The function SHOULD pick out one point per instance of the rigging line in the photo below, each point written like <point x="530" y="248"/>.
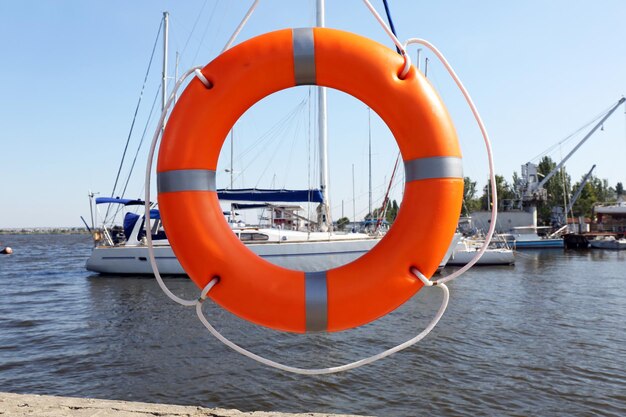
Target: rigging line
<point x="206" y="29"/>
<point x="119" y="170"/>
<point x="193" y="28"/>
<point x="563" y="183"/>
<point x="383" y="210"/>
<point x="283" y="136"/>
<point x="564" y="140"/>
<point x="143" y="135"/>
<point x="571" y="135"/>
<point x="391" y="25"/>
<point x="270" y="133"/>
<point x="278" y="131"/>
<point x="297" y="129"/>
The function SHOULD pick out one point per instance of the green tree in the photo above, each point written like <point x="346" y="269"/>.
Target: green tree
<point x="619" y="189"/>
<point x="556" y="188"/>
<point x="392" y="211"/>
<point x="470" y="202"/>
<point x="505" y="192"/>
<point x="342" y="222"/>
<point x="603" y="191"/>
<point x="594" y="191"/>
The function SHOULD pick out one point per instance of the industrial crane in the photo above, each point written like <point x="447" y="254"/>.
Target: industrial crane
<point x="580" y="189"/>
<point x="531" y="188"/>
<point x="559" y="217"/>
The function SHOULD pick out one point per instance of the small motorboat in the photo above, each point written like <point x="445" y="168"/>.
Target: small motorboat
<point x="466" y="249"/>
<point x="608" y="242"/>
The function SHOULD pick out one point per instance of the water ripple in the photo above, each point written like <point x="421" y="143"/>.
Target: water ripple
<point x="534" y="339"/>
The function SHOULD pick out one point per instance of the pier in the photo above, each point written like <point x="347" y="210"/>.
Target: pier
<point x="22" y="405"/>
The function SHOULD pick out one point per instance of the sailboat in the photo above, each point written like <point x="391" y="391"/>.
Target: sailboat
<point x="123" y="250"/>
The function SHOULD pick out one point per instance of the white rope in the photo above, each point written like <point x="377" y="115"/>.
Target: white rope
<point x="492" y="177"/>
<point x="394" y="38"/>
<point x="321" y="371"/>
<point x="241" y="25"/>
<point x="202" y="78"/>
<point x="155" y="139"/>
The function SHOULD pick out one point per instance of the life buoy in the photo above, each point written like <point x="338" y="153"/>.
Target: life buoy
<point x="257" y="290"/>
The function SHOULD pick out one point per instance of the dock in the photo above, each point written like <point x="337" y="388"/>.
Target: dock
<point x="23" y="405"/>
<point x="581" y="240"/>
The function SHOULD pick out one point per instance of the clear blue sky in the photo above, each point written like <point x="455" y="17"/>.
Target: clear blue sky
<point x="72" y="70"/>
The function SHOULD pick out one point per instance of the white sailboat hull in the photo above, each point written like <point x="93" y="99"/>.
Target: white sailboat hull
<point x="490" y="257"/>
<point x="304" y="256"/>
<point x="465" y="251"/>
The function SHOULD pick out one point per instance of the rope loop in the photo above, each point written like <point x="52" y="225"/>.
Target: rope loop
<point x="421" y="277"/>
<point x="330" y="370"/>
<point x="407" y="65"/>
<point x="394" y="38"/>
<point x="202" y="78"/>
<point x="487" y="141"/>
<point x="205" y="290"/>
<point x="147" y="185"/>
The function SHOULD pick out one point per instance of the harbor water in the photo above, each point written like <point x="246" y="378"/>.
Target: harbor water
<point x="544" y="337"/>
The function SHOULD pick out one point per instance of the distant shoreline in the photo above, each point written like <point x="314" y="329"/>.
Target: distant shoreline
<point x="45" y="231"/>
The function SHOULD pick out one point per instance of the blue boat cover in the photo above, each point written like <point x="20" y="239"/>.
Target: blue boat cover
<point x="240" y="206"/>
<point x="130" y="219"/>
<point x="117" y="200"/>
<point x="373" y="221"/>
<point x="257" y="194"/>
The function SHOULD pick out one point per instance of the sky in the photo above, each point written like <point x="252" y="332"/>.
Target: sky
<point x="72" y="73"/>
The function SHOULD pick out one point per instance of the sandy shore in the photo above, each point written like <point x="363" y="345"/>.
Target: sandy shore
<point x="20" y="405"/>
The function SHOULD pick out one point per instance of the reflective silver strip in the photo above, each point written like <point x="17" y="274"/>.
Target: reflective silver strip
<point x="316" y="298"/>
<point x="304" y="56"/>
<point x="186" y="180"/>
<point x="435" y="167"/>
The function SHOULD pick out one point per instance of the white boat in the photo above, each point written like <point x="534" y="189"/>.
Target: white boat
<point x="611" y="217"/>
<point x="123" y="250"/>
<point x="526" y="237"/>
<point x="608" y="242"/>
<point x="617" y="209"/>
<point x="466" y="249"/>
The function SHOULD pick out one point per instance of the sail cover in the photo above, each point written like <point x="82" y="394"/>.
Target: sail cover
<point x="117" y="200"/>
<point x="261" y="195"/>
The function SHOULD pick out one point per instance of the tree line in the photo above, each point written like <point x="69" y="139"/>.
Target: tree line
<point x="559" y="189"/>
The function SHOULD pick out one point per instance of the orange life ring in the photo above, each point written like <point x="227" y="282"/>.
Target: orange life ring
<point x="257" y="290"/>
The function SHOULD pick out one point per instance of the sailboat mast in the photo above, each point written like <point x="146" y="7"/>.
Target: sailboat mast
<point x="166" y="21"/>
<point x="232" y="172"/>
<point x="323" y="135"/>
<point x="232" y="152"/>
<point x="369" y="127"/>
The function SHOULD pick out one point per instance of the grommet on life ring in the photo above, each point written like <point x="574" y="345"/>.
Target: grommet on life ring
<point x="255" y="289"/>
